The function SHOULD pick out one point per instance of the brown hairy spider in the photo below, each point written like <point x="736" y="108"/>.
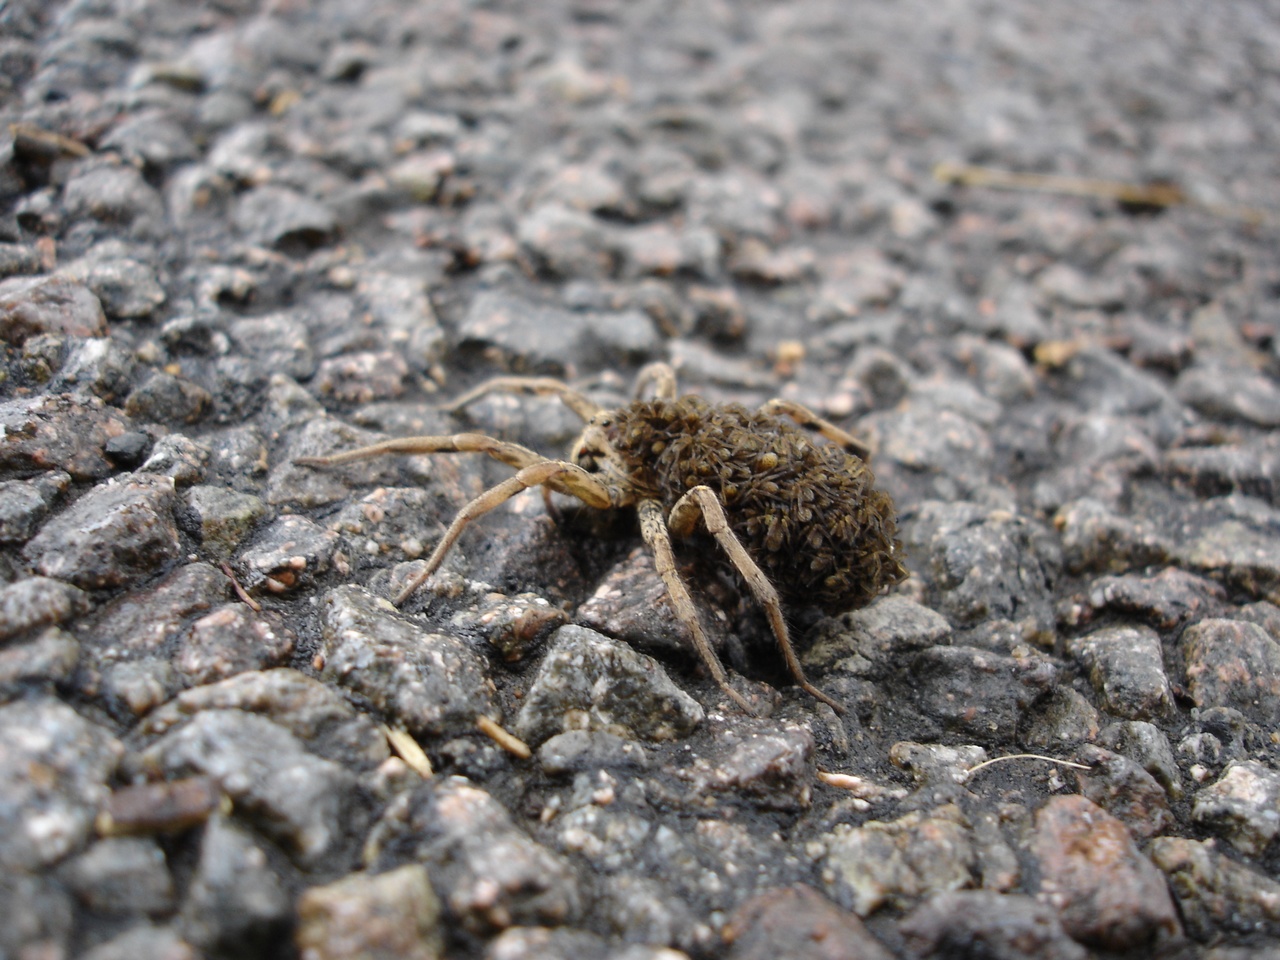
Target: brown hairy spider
<point x="801" y="521"/>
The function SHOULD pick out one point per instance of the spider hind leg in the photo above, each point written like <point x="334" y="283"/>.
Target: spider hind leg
<point x="663" y="379"/>
<point x="540" y="386"/>
<point x="811" y="421"/>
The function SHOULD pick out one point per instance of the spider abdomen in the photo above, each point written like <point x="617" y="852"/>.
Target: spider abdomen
<point x="807" y="511"/>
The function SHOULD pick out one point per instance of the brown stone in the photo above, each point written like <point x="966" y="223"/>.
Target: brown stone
<point x="799" y="923"/>
<point x="393" y="914"/>
<point x="1233" y="663"/>
<point x="35" y="305"/>
<point x="1215" y="894"/>
<point x="1106" y="892"/>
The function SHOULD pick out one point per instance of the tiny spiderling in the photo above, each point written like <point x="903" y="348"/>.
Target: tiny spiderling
<point x="801" y="521"/>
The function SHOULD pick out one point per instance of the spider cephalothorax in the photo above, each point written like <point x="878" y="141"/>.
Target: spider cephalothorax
<point x="800" y="519"/>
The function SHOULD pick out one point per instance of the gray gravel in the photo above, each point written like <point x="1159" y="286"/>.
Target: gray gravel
<point x="232" y="236"/>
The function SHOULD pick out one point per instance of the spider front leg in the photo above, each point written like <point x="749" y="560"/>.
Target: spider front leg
<point x="533" y="469"/>
<point x="654" y="530"/>
<point x="810" y="420"/>
<point x="701" y="501"/>
<point x="511" y="454"/>
<point x="559" y="475"/>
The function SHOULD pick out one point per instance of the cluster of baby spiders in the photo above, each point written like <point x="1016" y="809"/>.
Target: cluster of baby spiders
<point x="801" y="521"/>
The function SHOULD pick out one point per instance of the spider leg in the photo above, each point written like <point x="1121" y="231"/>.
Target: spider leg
<point x="807" y="418"/>
<point x="567" y="478"/>
<point x="542" y="386"/>
<point x="511" y="454"/>
<point x="702" y="501"/>
<point x="654" y="530"/>
<point x="533" y="469"/>
<point x="661" y="376"/>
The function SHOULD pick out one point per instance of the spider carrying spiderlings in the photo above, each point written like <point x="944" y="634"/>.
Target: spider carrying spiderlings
<point x="801" y="521"/>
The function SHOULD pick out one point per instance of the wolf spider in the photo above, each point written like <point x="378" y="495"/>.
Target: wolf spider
<point x="800" y="521"/>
